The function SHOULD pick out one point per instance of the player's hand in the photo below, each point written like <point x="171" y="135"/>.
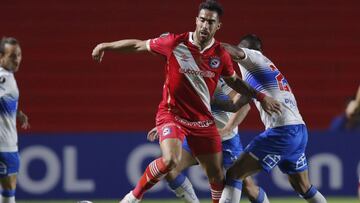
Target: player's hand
<point x="153" y="135"/>
<point x="98" y="53"/>
<point x="270" y="105"/>
<point x="23" y="119"/>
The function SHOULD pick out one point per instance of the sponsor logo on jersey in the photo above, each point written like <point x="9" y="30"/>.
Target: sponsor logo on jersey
<point x="214" y="62"/>
<point x="199" y="124"/>
<point x="207" y="74"/>
<point x="2" y="80"/>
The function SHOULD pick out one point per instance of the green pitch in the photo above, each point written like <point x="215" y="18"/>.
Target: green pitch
<point x="272" y="200"/>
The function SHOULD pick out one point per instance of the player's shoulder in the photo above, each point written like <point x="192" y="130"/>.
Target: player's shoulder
<point x="4" y="75"/>
<point x="4" y="72"/>
<point x="173" y="37"/>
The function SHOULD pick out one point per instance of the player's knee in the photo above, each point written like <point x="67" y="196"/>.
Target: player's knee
<point x="171" y="162"/>
<point x="172" y="175"/>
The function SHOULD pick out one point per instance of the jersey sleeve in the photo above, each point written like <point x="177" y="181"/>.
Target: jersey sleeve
<point x="228" y="69"/>
<point x="162" y="45"/>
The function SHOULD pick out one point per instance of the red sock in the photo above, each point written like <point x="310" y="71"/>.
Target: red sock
<point x="216" y="190"/>
<point x="151" y="176"/>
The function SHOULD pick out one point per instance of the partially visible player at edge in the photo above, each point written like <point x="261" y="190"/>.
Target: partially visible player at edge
<point x="10" y="59"/>
<point x="227" y="124"/>
<point x="284" y="141"/>
<point x="194" y="63"/>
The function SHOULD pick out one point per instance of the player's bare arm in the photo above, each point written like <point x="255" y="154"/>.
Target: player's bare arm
<point x="126" y="45"/>
<point x="237" y="118"/>
<point x="236" y="53"/>
<point x="23" y="119"/>
<point x="233" y="105"/>
<point x="269" y="104"/>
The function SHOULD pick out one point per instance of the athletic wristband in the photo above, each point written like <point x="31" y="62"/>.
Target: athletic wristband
<point x="260" y="96"/>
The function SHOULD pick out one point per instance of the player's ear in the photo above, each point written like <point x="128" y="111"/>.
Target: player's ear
<point x="218" y="26"/>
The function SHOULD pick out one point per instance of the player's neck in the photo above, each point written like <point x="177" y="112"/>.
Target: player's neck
<point x="203" y="45"/>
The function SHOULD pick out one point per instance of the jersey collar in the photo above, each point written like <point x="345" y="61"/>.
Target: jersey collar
<point x="191" y="40"/>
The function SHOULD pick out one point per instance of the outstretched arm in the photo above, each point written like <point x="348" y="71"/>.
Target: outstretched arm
<point x="126" y="45"/>
<point x="269" y="104"/>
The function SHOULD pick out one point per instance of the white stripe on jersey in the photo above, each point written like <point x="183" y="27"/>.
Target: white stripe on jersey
<point x="196" y="80"/>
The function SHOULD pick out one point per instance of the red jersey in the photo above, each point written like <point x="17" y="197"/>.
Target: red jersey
<point x="191" y="78"/>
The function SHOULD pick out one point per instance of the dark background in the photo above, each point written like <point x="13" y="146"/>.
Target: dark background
<point x="314" y="43"/>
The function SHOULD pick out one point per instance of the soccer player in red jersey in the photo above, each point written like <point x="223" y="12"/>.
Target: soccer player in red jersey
<point x="194" y="63"/>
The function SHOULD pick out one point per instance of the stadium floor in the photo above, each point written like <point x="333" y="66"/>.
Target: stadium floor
<point x="272" y="200"/>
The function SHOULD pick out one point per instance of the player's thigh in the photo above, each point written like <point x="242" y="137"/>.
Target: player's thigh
<point x="171" y="137"/>
<point x="171" y="151"/>
<point x="300" y="181"/>
<point x="246" y="165"/>
<point x="277" y="144"/>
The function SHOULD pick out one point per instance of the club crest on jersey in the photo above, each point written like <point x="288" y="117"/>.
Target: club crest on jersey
<point x="214" y="62"/>
<point x="166" y="131"/>
<point x="2" y="80"/>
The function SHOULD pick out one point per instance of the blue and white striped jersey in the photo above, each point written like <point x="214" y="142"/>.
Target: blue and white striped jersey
<point x="262" y="74"/>
<point x="9" y="96"/>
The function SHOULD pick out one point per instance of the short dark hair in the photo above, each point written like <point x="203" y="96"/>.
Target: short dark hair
<point x="254" y="42"/>
<point x="7" y="40"/>
<point x="212" y="5"/>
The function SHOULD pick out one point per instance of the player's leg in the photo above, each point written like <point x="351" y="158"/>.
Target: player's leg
<point x="232" y="149"/>
<point x="301" y="184"/>
<point x="246" y="165"/>
<point x="178" y="182"/>
<point x="208" y="152"/>
<point x="9" y="167"/>
<point x="8" y="185"/>
<point x="295" y="165"/>
<point x="264" y="152"/>
<point x="255" y="193"/>
<point x="171" y="137"/>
